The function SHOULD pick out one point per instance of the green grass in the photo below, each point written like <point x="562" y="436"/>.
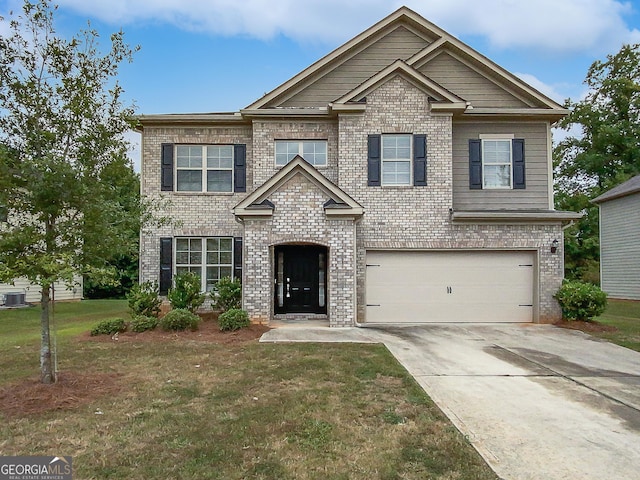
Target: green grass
<point x="199" y="410"/>
<point x="625" y="316"/>
<point x="21" y="326"/>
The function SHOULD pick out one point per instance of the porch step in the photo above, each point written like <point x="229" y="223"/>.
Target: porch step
<point x="301" y="319"/>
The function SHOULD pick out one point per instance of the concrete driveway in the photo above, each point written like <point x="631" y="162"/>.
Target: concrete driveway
<point x="537" y="402"/>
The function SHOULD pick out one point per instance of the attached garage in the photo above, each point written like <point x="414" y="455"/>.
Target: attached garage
<point x="447" y="287"/>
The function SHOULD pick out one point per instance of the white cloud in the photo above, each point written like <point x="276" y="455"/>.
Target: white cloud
<point x="563" y="26"/>
<point x="567" y="26"/>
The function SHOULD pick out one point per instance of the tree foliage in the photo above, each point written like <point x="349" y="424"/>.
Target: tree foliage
<point x="63" y="156"/>
<point x="602" y="154"/>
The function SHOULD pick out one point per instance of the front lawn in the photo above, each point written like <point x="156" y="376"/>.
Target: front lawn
<point x="181" y="407"/>
<point x="624" y="315"/>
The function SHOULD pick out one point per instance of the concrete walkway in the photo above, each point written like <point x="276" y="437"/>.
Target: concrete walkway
<point x="537" y="402"/>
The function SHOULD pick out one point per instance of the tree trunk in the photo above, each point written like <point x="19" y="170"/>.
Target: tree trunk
<point x="47" y="375"/>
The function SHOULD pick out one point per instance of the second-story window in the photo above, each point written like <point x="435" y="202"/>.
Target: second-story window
<point x="313" y="151"/>
<point x="396" y="159"/>
<point x="204" y="168"/>
<point x="496" y="163"/>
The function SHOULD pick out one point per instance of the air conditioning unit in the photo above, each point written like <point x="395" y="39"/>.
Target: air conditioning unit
<point x="14" y="299"/>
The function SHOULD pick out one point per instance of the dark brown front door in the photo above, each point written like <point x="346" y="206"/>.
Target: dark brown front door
<point x="300" y="279"/>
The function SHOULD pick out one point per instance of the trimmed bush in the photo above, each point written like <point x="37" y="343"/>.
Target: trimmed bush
<point x="233" y="319"/>
<point x="142" y="323"/>
<point x="144" y="299"/>
<point x="185" y="293"/>
<point x="179" y="319"/>
<point x="581" y="301"/>
<point x="109" y="326"/>
<point x="227" y="294"/>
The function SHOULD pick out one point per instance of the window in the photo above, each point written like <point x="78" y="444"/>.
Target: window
<point x="396" y="159"/>
<point x="313" y="151"/>
<point x="496" y="163"/>
<point x="204" y="168"/>
<point x="213" y="256"/>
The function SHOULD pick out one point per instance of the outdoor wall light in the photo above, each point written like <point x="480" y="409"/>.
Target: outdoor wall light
<point x="554" y="246"/>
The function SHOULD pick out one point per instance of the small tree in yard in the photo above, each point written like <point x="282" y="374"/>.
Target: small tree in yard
<point x="62" y="156"/>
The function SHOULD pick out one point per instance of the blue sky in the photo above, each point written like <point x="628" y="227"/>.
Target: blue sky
<point x="221" y="55"/>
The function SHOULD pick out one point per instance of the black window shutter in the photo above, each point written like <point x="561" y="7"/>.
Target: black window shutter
<point x="475" y="164"/>
<point x="167" y="167"/>
<point x="518" y="163"/>
<point x="419" y="160"/>
<point x="240" y="170"/>
<point x="166" y="264"/>
<point x="373" y="161"/>
<point x="237" y="258"/>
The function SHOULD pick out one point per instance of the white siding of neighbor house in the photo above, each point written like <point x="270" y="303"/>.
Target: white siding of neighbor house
<point x="22" y="285"/>
<point x="620" y="247"/>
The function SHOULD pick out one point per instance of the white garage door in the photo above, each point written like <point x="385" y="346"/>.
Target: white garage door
<point x="432" y="287"/>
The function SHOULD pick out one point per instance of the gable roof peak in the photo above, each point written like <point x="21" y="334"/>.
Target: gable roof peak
<point x="339" y="202"/>
<point x="437" y="40"/>
<point x="403" y="15"/>
<point x="401" y="68"/>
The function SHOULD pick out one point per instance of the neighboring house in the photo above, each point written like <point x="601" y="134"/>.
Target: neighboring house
<point x="620" y="240"/>
<point x="22" y="291"/>
<point x="402" y="178"/>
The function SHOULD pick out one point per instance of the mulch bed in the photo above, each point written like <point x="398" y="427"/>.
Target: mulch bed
<point x="30" y="397"/>
<point x="208" y="331"/>
<point x="587" y="327"/>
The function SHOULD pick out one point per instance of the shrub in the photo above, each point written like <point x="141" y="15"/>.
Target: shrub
<point x="142" y="323"/>
<point x="233" y="319"/>
<point x="580" y="301"/>
<point x="180" y="319"/>
<point x="144" y="299"/>
<point x="109" y="326"/>
<point x="186" y="292"/>
<point x="227" y="294"/>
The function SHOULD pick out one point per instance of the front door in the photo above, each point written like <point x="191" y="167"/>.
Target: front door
<point x="300" y="279"/>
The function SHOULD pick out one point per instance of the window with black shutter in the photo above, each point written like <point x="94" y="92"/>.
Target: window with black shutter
<point x="496" y="163"/>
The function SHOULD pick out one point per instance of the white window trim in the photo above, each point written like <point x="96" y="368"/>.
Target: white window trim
<point x="497" y="137"/>
<point x="301" y="149"/>
<point x="203" y="264"/>
<point x="204" y="168"/>
<point x="382" y="160"/>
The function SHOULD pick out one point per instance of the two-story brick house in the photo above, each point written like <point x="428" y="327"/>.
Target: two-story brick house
<point x="404" y="177"/>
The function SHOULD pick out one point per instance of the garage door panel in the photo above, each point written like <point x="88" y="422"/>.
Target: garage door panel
<point x="424" y="287"/>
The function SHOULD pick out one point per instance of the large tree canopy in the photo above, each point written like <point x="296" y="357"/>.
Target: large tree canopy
<point x="604" y="152"/>
<point x="63" y="157"/>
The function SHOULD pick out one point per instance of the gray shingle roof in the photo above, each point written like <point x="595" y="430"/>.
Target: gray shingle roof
<point x="627" y="188"/>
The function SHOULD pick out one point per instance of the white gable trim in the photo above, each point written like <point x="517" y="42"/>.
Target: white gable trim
<point x="416" y="24"/>
<point x="400" y="68"/>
